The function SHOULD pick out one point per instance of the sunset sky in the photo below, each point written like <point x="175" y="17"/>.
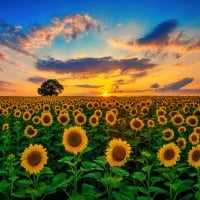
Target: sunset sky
<point x="107" y="47"/>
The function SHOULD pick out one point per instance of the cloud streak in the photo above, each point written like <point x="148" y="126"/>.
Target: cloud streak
<point x="6" y="86"/>
<point x="88" y="66"/>
<point x="177" y="85"/>
<point x="160" y="34"/>
<point x="36" y="79"/>
<point x="88" y="86"/>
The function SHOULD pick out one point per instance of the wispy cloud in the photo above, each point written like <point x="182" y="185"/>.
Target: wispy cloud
<point x="178" y="84"/>
<point x="24" y="40"/>
<point x="164" y="40"/>
<point x="3" y="56"/>
<point x="88" y="66"/>
<point x="36" y="79"/>
<point x="88" y="86"/>
<point x="6" y="86"/>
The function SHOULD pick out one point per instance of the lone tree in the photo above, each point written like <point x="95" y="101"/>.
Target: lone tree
<point x="50" y="87"/>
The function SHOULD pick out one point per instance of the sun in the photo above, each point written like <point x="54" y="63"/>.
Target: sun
<point x="105" y="94"/>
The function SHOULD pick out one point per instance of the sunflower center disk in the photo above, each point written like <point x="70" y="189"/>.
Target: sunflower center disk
<point x="111" y="118"/>
<point x="196" y="156"/>
<point x="74" y="139"/>
<point x="34" y="158"/>
<point x="80" y="119"/>
<point x="118" y="153"/>
<point x="94" y="120"/>
<point x="167" y="134"/>
<point x="169" y="154"/>
<point x="194" y="138"/>
<point x="30" y="131"/>
<point x="192" y="121"/>
<point x="46" y="119"/>
<point x="178" y="120"/>
<point x="137" y="124"/>
<point x="63" y="119"/>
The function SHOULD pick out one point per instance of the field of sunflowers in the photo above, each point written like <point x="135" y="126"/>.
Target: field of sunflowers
<point x="119" y="148"/>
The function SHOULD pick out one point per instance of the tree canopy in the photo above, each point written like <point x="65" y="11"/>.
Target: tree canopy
<point x="50" y="87"/>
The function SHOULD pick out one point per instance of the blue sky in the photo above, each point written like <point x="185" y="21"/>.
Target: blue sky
<point x="100" y="47"/>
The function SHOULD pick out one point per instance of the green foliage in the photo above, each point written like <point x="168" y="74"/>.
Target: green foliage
<point x="88" y="176"/>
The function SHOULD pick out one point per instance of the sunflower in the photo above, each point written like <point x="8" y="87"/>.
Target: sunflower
<point x="181" y="142"/>
<point x="98" y="113"/>
<point x="34" y="158"/>
<point x="194" y="156"/>
<point x="118" y="152"/>
<point x="46" y="108"/>
<point x="194" y="138"/>
<point x="177" y="119"/>
<point x="90" y="105"/>
<point x="70" y="107"/>
<point x="74" y="139"/>
<point x="36" y="120"/>
<point x="76" y="112"/>
<point x="181" y="129"/>
<point x="30" y="132"/>
<point x="169" y="154"/>
<point x="1" y="111"/>
<point x="80" y="119"/>
<point x="192" y="120"/>
<point x="17" y="113"/>
<point x="144" y="110"/>
<point x="162" y="119"/>
<point x="5" y="127"/>
<point x="186" y="109"/>
<point x="94" y="120"/>
<point x="197" y="112"/>
<point x="173" y="112"/>
<point x="168" y="134"/>
<point x="133" y="111"/>
<point x="160" y="111"/>
<point x="110" y="118"/>
<point x="46" y="119"/>
<point x="63" y="119"/>
<point x="136" y="124"/>
<point x="197" y="129"/>
<point x="26" y="116"/>
<point x="150" y="123"/>
<point x="121" y="121"/>
<point x="57" y="111"/>
<point x="115" y="111"/>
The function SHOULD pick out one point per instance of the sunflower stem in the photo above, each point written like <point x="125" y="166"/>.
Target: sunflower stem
<point x="149" y="140"/>
<point x="198" y="177"/>
<point x="35" y="181"/>
<point x="75" y="173"/>
<point x="171" y="183"/>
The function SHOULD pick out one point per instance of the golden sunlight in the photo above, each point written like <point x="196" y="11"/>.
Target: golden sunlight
<point x="105" y="94"/>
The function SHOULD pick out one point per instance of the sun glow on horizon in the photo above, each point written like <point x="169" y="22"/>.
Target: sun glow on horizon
<point x="105" y="94"/>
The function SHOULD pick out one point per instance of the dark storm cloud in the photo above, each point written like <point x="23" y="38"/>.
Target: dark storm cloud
<point x="160" y="34"/>
<point x="177" y="85"/>
<point x="93" y="65"/>
<point x="36" y="79"/>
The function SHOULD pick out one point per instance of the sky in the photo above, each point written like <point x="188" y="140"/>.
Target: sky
<point x="95" y="48"/>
